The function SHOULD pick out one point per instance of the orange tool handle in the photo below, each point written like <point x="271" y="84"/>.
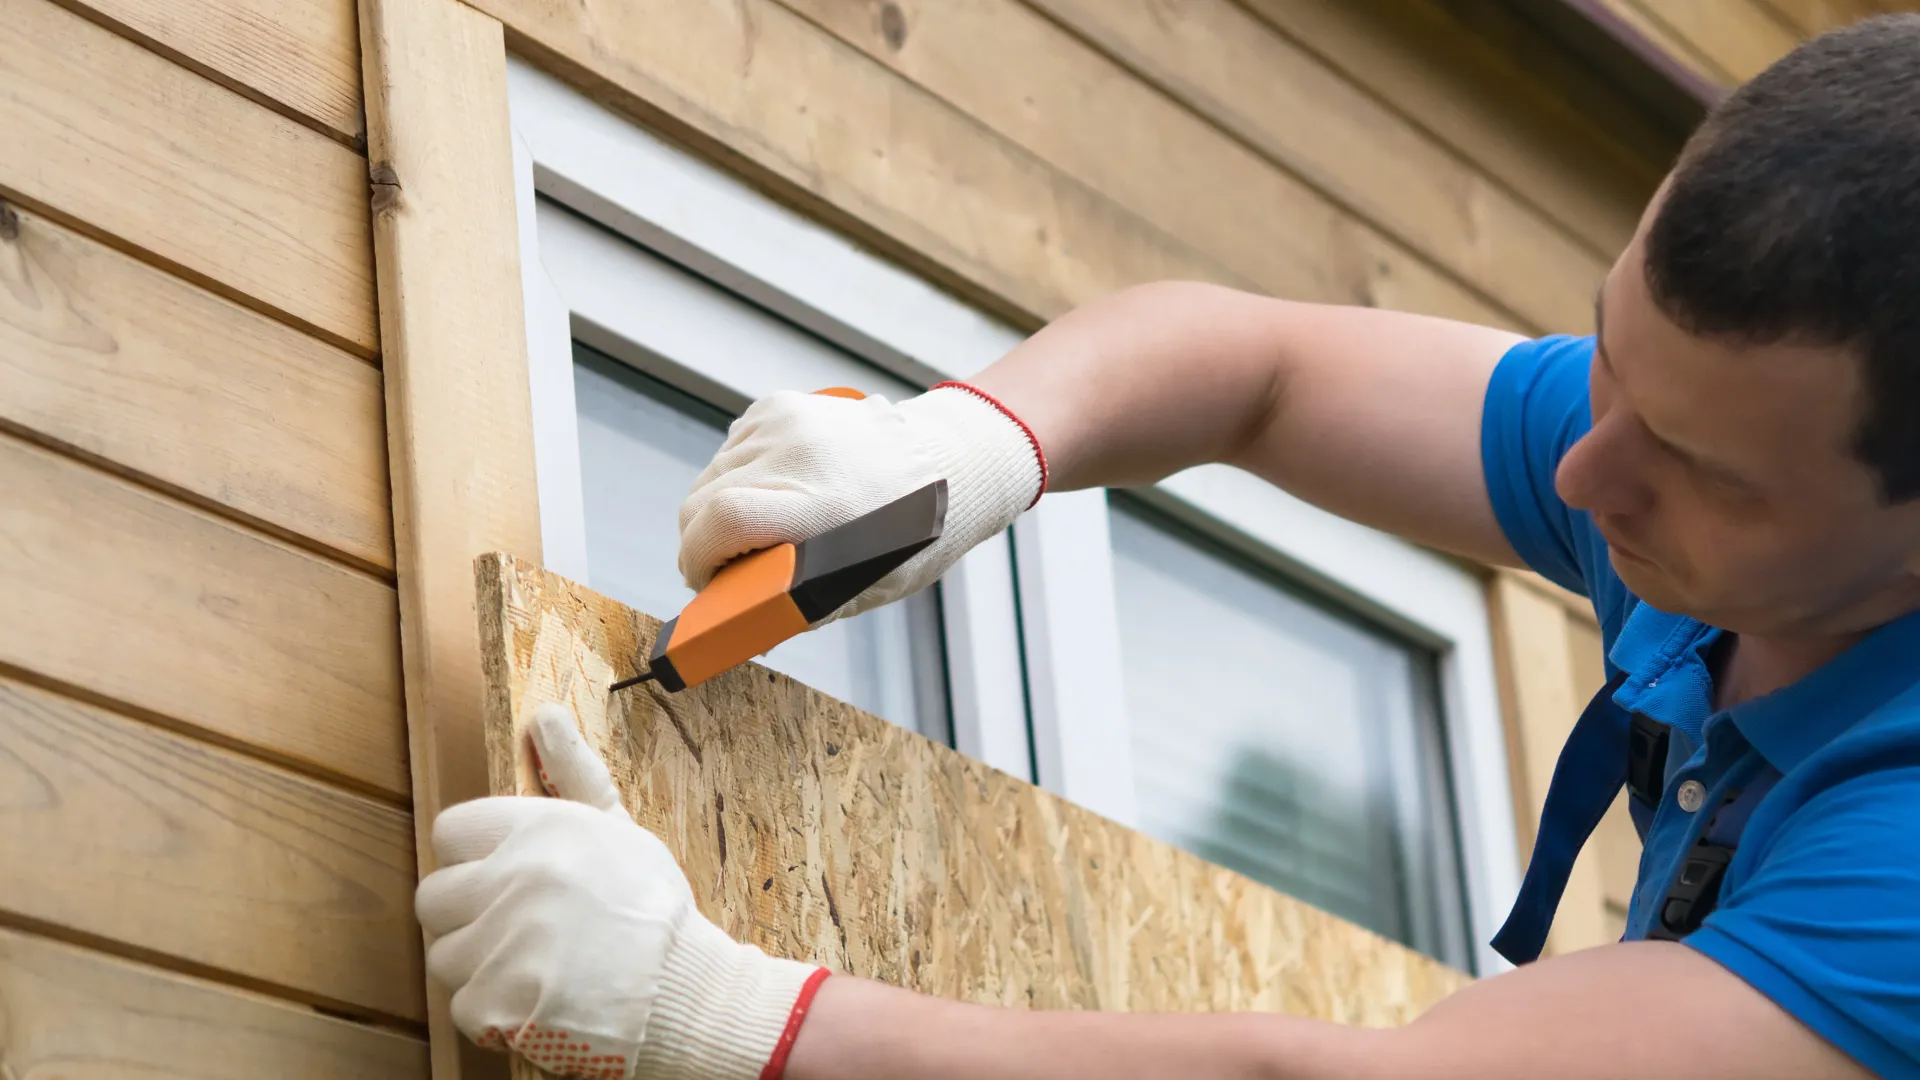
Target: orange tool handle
<point x="744" y="611"/>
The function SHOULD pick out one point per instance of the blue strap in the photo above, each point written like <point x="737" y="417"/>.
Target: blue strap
<point x="1591" y="770"/>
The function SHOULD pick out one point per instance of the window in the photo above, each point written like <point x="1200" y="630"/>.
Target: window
<point x="1210" y="660"/>
<point x="1284" y="740"/>
<point x="642" y="443"/>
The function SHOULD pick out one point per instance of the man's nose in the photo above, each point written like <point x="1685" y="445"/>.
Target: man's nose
<point x="1604" y="473"/>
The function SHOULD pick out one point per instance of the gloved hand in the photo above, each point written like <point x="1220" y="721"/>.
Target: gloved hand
<point x="569" y="934"/>
<point x="796" y="465"/>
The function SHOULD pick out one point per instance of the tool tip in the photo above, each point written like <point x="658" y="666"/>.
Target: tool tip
<point x="624" y="683"/>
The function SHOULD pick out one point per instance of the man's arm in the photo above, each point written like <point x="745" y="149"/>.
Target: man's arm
<point x="1644" y="1010"/>
<point x="1373" y="415"/>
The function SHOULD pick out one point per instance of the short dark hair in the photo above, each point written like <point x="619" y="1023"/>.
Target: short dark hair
<point x="1794" y="215"/>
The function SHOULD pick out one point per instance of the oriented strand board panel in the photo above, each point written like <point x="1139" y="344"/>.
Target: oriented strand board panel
<point x="821" y="832"/>
<point x="791" y="107"/>
<point x="1054" y="96"/>
<point x="302" y="58"/>
<point x="132" y="366"/>
<point x="192" y="620"/>
<point x="67" y="1012"/>
<point x="118" y="829"/>
<point x="109" y="133"/>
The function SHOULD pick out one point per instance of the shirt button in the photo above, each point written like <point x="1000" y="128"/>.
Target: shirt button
<point x="1691" y="795"/>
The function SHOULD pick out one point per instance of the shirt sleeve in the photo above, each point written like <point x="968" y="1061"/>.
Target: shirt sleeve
<point x="1828" y="926"/>
<point x="1536" y="408"/>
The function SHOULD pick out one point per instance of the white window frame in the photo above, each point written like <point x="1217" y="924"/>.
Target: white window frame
<point x="583" y="283"/>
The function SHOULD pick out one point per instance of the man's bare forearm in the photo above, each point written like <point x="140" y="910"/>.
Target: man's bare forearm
<point x="1371" y="414"/>
<point x="862" y="1030"/>
<point x="1653" y="1011"/>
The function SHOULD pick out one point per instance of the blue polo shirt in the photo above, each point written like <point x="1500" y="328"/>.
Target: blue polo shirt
<point x="1820" y="907"/>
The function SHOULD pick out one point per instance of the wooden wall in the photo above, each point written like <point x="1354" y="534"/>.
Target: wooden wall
<point x="204" y="826"/>
<point x="1728" y="42"/>
<point x="207" y="781"/>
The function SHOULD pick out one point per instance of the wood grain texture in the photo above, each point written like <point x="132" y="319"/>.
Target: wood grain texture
<point x="300" y="58"/>
<point x="130" y="365"/>
<point x="140" y="599"/>
<point x="1046" y="91"/>
<point x="1521" y="113"/>
<point x="142" y="150"/>
<point x="459" y="416"/>
<point x="68" y="1013"/>
<point x="1289" y="105"/>
<point x="815" y="123"/>
<point x="1542" y="694"/>
<point x="1810" y="17"/>
<point x="115" y="828"/>
<point x="1728" y="41"/>
<point x="820" y="832"/>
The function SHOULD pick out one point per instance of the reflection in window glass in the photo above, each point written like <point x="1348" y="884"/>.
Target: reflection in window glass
<point x="642" y="443"/>
<point x="1283" y="741"/>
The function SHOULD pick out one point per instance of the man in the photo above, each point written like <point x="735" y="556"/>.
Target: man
<point x="1730" y="469"/>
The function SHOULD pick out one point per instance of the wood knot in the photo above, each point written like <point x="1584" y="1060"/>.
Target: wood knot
<point x="9" y="223"/>
<point x="386" y="187"/>
<point x="893" y="25"/>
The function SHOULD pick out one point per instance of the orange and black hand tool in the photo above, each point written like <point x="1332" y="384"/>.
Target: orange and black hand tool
<point x="765" y="597"/>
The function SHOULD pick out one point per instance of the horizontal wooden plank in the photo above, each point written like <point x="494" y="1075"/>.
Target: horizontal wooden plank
<point x="1729" y="41"/>
<point x="1289" y="105"/>
<point x="134" y="366"/>
<point x="1591" y="167"/>
<point x="302" y="58"/>
<point x="141" y="149"/>
<point x="141" y="599"/>
<point x="118" y="829"/>
<point x="1810" y="17"/>
<point x="1067" y="104"/>
<point x="803" y="114"/>
<point x="69" y="1012"/>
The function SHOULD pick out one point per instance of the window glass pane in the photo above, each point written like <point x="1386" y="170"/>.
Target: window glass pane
<point x="1283" y="741"/>
<point x="642" y="443"/>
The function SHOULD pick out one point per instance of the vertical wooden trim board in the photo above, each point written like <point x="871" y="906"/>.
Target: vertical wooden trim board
<point x="459" y="421"/>
<point x="820" y="832"/>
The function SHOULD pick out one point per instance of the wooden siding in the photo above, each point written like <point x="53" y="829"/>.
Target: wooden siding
<point x="200" y="697"/>
<point x="173" y="846"/>
<point x="204" y="181"/>
<point x="74" y="1012"/>
<point x="134" y="368"/>
<point x="1728" y="42"/>
<point x="300" y="59"/>
<point x="1096" y="156"/>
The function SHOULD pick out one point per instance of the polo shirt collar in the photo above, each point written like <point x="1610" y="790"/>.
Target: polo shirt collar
<point x="1792" y="723"/>
<point x="1665" y="656"/>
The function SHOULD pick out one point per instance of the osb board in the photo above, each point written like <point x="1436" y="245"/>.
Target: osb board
<point x="820" y="832"/>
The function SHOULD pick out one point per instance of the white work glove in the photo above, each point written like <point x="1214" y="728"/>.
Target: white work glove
<point x="795" y="465"/>
<point x="569" y="934"/>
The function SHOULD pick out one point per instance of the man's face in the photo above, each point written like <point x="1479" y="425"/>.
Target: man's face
<point x="1722" y="477"/>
